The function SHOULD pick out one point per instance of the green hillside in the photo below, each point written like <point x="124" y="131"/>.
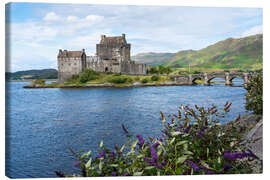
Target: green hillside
<point x="241" y="53"/>
<point x="153" y="58"/>
<point x="33" y="74"/>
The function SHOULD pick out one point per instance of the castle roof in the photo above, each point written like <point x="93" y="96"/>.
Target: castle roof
<point x="113" y="40"/>
<point x="66" y="53"/>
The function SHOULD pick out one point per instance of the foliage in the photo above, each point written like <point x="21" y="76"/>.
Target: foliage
<point x="39" y="81"/>
<point x="160" y="70"/>
<point x="144" y="80"/>
<point x="88" y="75"/>
<point x="120" y="79"/>
<point x="254" y="96"/>
<point x="154" y="78"/>
<point x="193" y="142"/>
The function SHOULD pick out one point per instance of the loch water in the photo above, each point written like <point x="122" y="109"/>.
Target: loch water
<point x="41" y="124"/>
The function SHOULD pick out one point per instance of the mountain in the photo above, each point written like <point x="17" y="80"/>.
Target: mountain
<point x="244" y="53"/>
<point x="33" y="74"/>
<point x="152" y="58"/>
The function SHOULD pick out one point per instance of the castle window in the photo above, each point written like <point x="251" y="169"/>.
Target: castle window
<point x="69" y="64"/>
<point x="75" y="64"/>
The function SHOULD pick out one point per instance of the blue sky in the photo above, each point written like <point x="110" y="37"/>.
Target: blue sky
<point x="38" y="30"/>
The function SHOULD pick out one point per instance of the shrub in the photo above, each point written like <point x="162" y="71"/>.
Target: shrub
<point x="155" y="78"/>
<point x="193" y="142"/>
<point x="254" y="96"/>
<point x="137" y="78"/>
<point x="39" y="81"/>
<point x="144" y="80"/>
<point x="88" y="75"/>
<point x="197" y="72"/>
<point x="119" y="80"/>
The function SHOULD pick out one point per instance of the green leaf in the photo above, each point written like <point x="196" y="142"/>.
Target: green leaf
<point x="181" y="159"/>
<point x="100" y="165"/>
<point x="181" y="143"/>
<point x="138" y="173"/>
<point x="149" y="167"/>
<point x="206" y="165"/>
<point x="114" y="165"/>
<point x="88" y="164"/>
<point x="179" y="171"/>
<point x="173" y="139"/>
<point x="122" y="148"/>
<point x="188" y="152"/>
<point x="101" y="144"/>
<point x="85" y="154"/>
<point x="133" y="145"/>
<point x="175" y="133"/>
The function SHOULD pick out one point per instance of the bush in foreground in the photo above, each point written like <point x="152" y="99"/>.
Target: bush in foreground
<point x="193" y="142"/>
<point x="254" y="96"/>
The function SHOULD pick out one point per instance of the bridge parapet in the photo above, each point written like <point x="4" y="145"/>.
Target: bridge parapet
<point x="207" y="77"/>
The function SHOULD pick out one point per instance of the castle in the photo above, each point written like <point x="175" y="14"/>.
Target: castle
<point x="112" y="55"/>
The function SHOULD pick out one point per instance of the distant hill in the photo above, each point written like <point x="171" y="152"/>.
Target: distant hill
<point x="152" y="58"/>
<point x="244" y="53"/>
<point x="33" y="74"/>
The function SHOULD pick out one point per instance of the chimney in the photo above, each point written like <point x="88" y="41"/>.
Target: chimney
<point x="124" y="36"/>
<point x="60" y="51"/>
<point x="83" y="50"/>
<point x="102" y="36"/>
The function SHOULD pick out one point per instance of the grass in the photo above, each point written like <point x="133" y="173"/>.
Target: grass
<point x="120" y="80"/>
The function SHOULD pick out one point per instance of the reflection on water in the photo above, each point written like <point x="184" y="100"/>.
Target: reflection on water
<point x="43" y="123"/>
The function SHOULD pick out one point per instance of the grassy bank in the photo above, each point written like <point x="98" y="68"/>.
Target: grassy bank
<point x="89" y="77"/>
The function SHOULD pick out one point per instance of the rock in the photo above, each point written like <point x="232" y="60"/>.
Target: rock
<point x="253" y="139"/>
<point x="250" y="128"/>
<point x="137" y="84"/>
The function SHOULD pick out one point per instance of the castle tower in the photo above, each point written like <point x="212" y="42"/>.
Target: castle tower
<point x="70" y="63"/>
<point x="113" y="48"/>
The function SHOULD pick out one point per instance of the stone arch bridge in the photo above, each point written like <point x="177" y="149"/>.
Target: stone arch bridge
<point x="207" y="77"/>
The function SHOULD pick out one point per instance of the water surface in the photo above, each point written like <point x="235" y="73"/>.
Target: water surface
<point x="42" y="123"/>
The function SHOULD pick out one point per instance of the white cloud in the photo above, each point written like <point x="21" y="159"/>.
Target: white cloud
<point x="72" y="18"/>
<point x="252" y="31"/>
<point x="94" y="18"/>
<point x="51" y="16"/>
<point x="147" y="28"/>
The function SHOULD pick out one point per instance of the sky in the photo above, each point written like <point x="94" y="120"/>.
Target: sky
<point x="36" y="31"/>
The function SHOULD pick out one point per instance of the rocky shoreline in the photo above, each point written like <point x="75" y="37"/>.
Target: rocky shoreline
<point x="250" y="128"/>
<point x="105" y="85"/>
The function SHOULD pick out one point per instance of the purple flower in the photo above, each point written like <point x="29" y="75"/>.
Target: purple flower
<point x="112" y="154"/>
<point x="124" y="174"/>
<point x="124" y="129"/>
<point x="160" y="139"/>
<point x="141" y="140"/>
<point x="155" y="145"/>
<point x="187" y="129"/>
<point x="225" y="168"/>
<point x="193" y="165"/>
<point x="200" y="133"/>
<point x="76" y="164"/>
<point x="159" y="166"/>
<point x="238" y="155"/>
<point x="154" y="154"/>
<point x="114" y="173"/>
<point x="101" y="154"/>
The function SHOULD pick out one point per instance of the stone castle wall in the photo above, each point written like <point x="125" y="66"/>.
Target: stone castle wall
<point x="69" y="66"/>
